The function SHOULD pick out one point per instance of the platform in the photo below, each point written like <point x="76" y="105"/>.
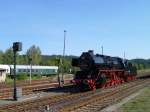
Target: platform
<point x="45" y="92"/>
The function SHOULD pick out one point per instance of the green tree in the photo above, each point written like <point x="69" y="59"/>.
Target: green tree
<point x="8" y="56"/>
<point x="66" y="65"/>
<point x="35" y="54"/>
<point x="136" y="65"/>
<point x="22" y="60"/>
<point x="1" y="57"/>
<point x="141" y="66"/>
<point x="53" y="61"/>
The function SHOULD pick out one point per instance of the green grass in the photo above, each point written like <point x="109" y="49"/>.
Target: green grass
<point x="143" y="71"/>
<point x="23" y="77"/>
<point x="139" y="104"/>
<point x="9" y="81"/>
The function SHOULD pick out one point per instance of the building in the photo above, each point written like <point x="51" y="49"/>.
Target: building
<point x="4" y="69"/>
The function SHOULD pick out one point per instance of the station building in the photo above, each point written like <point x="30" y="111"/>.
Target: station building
<point x="4" y="69"/>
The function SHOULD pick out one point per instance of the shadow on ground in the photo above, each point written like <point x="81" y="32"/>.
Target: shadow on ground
<point x="65" y="89"/>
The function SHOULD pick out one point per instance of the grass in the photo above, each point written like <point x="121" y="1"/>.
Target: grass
<point x="143" y="71"/>
<point x="9" y="81"/>
<point x="24" y="77"/>
<point x="139" y="104"/>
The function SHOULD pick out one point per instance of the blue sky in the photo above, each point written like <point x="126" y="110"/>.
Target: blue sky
<point x="118" y="25"/>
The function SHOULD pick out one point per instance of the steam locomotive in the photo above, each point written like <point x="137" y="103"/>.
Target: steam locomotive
<point x="101" y="71"/>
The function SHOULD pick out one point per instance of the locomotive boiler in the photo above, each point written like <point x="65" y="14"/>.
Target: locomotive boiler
<point x="101" y="71"/>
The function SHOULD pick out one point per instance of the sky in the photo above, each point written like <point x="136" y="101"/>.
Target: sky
<point x="117" y="25"/>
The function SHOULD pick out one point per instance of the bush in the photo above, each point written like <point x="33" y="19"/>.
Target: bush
<point x="35" y="77"/>
<point x="9" y="79"/>
<point x="21" y="76"/>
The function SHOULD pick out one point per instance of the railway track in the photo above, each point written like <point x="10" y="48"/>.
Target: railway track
<point x="35" y="86"/>
<point x="24" y="83"/>
<point x="34" y="82"/>
<point x="87" y="101"/>
<point x="98" y="102"/>
<point x="6" y="90"/>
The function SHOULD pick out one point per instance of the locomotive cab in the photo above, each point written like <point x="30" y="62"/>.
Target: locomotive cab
<point x="117" y="63"/>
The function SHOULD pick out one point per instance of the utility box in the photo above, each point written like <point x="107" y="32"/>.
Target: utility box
<point x="19" y="92"/>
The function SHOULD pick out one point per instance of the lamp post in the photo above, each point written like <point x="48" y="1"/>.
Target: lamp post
<point x="17" y="46"/>
<point x="63" y="59"/>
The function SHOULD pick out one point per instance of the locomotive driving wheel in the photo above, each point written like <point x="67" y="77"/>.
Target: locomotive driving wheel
<point x="92" y="84"/>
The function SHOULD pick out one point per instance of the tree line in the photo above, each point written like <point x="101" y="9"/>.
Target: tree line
<point x="34" y="53"/>
<point x="141" y="63"/>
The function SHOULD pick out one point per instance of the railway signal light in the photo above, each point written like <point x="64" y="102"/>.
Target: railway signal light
<point x="17" y="46"/>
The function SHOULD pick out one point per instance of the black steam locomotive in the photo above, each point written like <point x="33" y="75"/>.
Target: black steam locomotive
<point x="101" y="71"/>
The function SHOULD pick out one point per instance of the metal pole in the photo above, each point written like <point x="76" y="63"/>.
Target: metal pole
<point x="17" y="46"/>
<point x="63" y="57"/>
<point x="30" y="70"/>
<point x="102" y="49"/>
<point x="15" y="92"/>
<point x="58" y="72"/>
<point x="124" y="55"/>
